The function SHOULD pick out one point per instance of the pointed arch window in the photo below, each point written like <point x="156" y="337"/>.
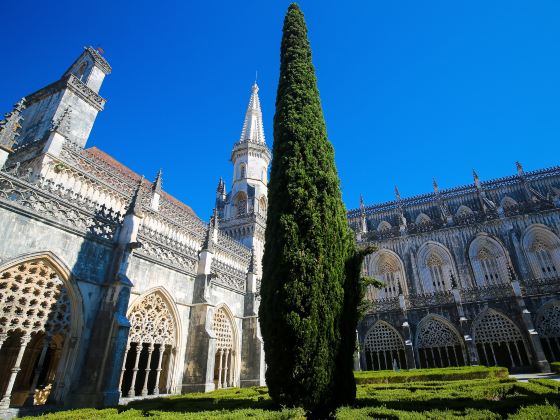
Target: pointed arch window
<point x="387" y="267"/>
<point x="489" y="261"/>
<point x="436" y="266"/>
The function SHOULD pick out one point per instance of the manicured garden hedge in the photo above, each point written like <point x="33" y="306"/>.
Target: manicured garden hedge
<point x="555" y="367"/>
<point x="416" y="375"/>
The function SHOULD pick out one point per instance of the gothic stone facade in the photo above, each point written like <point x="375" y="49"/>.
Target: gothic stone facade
<point x="109" y="287"/>
<point x="471" y="275"/>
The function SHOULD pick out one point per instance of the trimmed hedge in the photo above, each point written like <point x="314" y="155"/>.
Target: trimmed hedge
<point x="440" y="374"/>
<point x="537" y="412"/>
<point x="555" y="367"/>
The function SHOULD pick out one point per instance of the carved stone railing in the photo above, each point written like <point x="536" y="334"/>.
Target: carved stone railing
<point x="429" y="299"/>
<point x="234" y="248"/>
<point x="384" y="305"/>
<point x="483" y="293"/>
<point x="53" y="202"/>
<point x="164" y="249"/>
<point x="424" y="226"/>
<point x="376" y="235"/>
<point x="228" y="276"/>
<point x="541" y="286"/>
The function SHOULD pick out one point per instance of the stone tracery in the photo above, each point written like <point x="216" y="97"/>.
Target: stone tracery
<point x="224" y="368"/>
<point x="439" y="345"/>
<point x="548" y="327"/>
<point x="383" y="345"/>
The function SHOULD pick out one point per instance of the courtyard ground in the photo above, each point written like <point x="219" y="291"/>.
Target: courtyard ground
<point x="452" y="393"/>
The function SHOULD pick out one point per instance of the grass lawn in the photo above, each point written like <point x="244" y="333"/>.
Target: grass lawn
<point x="490" y="396"/>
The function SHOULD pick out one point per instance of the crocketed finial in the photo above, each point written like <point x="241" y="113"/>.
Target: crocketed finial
<point x="10" y="125"/>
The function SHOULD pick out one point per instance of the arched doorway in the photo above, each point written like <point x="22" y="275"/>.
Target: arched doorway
<point x="548" y="327"/>
<point x="152" y="343"/>
<point x="225" y="366"/>
<point x="438" y="344"/>
<point x="38" y="318"/>
<point x="498" y="341"/>
<point x="383" y="347"/>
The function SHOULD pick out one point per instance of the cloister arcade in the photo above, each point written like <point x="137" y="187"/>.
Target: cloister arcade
<point x="225" y="365"/>
<point x="40" y="321"/>
<point x="383" y="345"/>
<point x="438" y="344"/>
<point x="499" y="341"/>
<point x="152" y="347"/>
<point x="548" y="327"/>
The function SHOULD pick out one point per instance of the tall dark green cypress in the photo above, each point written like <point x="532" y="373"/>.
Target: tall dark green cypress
<point x="310" y="288"/>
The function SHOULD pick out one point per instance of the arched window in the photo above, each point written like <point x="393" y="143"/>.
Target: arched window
<point x="387" y="267"/>
<point x="498" y="341"/>
<point x="542" y="247"/>
<point x="464" y="212"/>
<point x="36" y="323"/>
<point x="435" y="267"/>
<point x="151" y="345"/>
<point x="383" y="347"/>
<point x="508" y="202"/>
<point x="548" y="327"/>
<point x="488" y="260"/>
<point x="384" y="226"/>
<point x="225" y="374"/>
<point x="423" y="218"/>
<point x="242" y="171"/>
<point x="438" y="343"/>
<point x="241" y="203"/>
<point x="81" y="71"/>
<point x="262" y="206"/>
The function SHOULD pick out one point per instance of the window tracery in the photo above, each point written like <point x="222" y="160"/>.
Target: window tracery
<point x="489" y="261"/>
<point x="548" y="327"/>
<point x="438" y="344"/>
<point x="222" y="329"/>
<point x="384" y="226"/>
<point x="151" y="321"/>
<point x="383" y="347"/>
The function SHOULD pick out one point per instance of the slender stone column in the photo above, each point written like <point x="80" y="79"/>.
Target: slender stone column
<point x="161" y="350"/>
<point x="31" y="397"/>
<point x="3" y="337"/>
<point x="220" y="369"/>
<point x="145" y="387"/>
<point x="5" y="402"/>
<point x="131" y="390"/>
<point x="225" y="385"/>
<point x="123" y="370"/>
<point x="232" y="378"/>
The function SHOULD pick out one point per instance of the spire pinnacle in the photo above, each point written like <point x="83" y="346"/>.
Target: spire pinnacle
<point x="62" y="123"/>
<point x="436" y="186"/>
<point x="397" y="193"/>
<point x="474" y="175"/>
<point x="520" y="170"/>
<point x="157" y="186"/>
<point x="135" y="206"/>
<point x="253" y="130"/>
<point x="221" y="186"/>
<point x="362" y="206"/>
<point x="10" y="125"/>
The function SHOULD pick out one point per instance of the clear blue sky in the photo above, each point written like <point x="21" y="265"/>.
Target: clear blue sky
<point x="410" y="89"/>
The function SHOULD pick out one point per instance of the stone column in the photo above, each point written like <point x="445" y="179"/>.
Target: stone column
<point x="3" y="337"/>
<point x="123" y="370"/>
<point x="131" y="390"/>
<point x="226" y="363"/>
<point x="161" y="350"/>
<point x="147" y="370"/>
<point x="5" y="402"/>
<point x="31" y="397"/>
<point x="408" y="347"/>
<point x="220" y="369"/>
<point x="232" y="369"/>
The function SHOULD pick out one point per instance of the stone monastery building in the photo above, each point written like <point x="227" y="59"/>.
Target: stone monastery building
<point x="110" y="288"/>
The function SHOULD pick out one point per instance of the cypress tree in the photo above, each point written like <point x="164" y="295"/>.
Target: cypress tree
<point x="310" y="287"/>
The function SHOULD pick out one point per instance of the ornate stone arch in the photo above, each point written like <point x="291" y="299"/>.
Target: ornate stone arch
<point x="435" y="266"/>
<point x="499" y="340"/>
<point x="40" y="328"/>
<point x="240" y="203"/>
<point x="386" y="266"/>
<point x="489" y="260"/>
<point x="153" y="342"/>
<point x="438" y="343"/>
<point x="507" y="202"/>
<point x="422" y="218"/>
<point x="464" y="211"/>
<point x="227" y="357"/>
<point x="548" y="326"/>
<point x="384" y="226"/>
<point x="542" y="249"/>
<point x="382" y="345"/>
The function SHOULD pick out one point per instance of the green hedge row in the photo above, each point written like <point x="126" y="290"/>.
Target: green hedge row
<point x="555" y="366"/>
<point x="418" y="375"/>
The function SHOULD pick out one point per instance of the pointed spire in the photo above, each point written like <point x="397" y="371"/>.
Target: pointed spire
<point x="221" y="187"/>
<point x="476" y="178"/>
<point x="362" y="205"/>
<point x="10" y="125"/>
<point x="519" y="167"/>
<point x="157" y="186"/>
<point x="211" y="233"/>
<point x="61" y="124"/>
<point x="436" y="186"/>
<point x="397" y="194"/>
<point x="253" y="130"/>
<point x="135" y="206"/>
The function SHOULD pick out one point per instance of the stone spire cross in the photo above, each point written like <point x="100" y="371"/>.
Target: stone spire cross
<point x="253" y="130"/>
<point x="10" y="125"/>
